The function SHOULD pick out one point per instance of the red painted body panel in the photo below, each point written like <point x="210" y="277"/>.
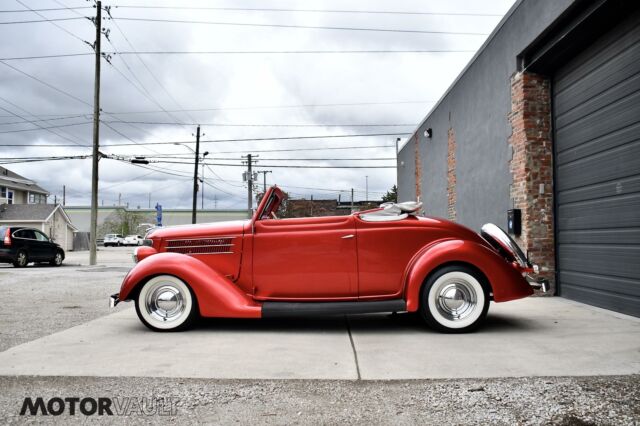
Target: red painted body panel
<point x="217" y="296"/>
<point x="304" y="259"/>
<point x="506" y="280"/>
<point x="316" y="259"/>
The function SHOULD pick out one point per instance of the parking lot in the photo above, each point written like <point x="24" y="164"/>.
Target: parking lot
<point x="57" y="330"/>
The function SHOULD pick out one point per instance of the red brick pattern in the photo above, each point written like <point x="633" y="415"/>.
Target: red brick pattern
<point x="418" y="168"/>
<point x="532" y="168"/>
<point x="451" y="175"/>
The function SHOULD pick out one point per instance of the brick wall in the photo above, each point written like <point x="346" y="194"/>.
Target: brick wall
<point x="451" y="175"/>
<point x="531" y="167"/>
<point x="418" y="167"/>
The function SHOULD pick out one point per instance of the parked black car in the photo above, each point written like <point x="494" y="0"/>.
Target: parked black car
<point x="20" y="246"/>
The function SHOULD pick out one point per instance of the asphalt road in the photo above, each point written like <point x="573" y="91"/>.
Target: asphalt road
<point x="57" y="339"/>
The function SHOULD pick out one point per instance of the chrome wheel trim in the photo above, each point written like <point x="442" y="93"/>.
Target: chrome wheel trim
<point x="165" y="302"/>
<point x="456" y="299"/>
<point x="58" y="259"/>
<point x="22" y="259"/>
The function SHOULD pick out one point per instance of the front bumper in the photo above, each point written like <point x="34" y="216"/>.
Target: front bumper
<point x="114" y="300"/>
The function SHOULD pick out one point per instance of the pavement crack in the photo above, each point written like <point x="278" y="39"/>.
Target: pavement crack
<point x="353" y="347"/>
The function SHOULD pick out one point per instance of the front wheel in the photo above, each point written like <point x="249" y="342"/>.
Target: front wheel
<point x="166" y="303"/>
<point x="453" y="300"/>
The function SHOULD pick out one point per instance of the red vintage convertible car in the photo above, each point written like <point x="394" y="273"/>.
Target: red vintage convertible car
<point x="383" y="260"/>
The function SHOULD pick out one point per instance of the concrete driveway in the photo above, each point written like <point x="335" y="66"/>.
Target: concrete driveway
<point x="531" y="337"/>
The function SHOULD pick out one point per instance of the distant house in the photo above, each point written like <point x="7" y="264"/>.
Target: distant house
<point x="49" y="218"/>
<point x="16" y="189"/>
<point x="24" y="203"/>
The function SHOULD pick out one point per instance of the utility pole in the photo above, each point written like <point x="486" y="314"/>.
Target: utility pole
<point x="149" y="200"/>
<point x="264" y="180"/>
<point x="93" y="230"/>
<point x="249" y="179"/>
<point x="119" y="199"/>
<point x="366" y="190"/>
<point x="64" y="195"/>
<point x="351" y="200"/>
<point x="195" y="178"/>
<point x="202" y="190"/>
<point x="397" y="168"/>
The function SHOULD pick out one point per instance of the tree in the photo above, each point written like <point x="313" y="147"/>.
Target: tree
<point x="391" y="195"/>
<point x="124" y="222"/>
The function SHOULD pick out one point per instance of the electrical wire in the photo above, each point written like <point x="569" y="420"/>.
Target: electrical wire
<point x="166" y="123"/>
<point x="52" y="9"/>
<point x="381" y="12"/>
<point x="35" y="21"/>
<point x="45" y="128"/>
<point x="246" y="24"/>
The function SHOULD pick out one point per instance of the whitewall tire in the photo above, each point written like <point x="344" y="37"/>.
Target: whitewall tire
<point x="454" y="300"/>
<point x="166" y="303"/>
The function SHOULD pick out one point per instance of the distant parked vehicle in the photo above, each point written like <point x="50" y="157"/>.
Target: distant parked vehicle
<point x="113" y="240"/>
<point x="133" y="240"/>
<point x="21" y="246"/>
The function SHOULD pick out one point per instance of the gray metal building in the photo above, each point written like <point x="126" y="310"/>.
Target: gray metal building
<point x="545" y="119"/>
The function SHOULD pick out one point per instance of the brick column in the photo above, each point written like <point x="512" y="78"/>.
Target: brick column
<point x="532" y="168"/>
<point x="418" y="168"/>
<point x="451" y="175"/>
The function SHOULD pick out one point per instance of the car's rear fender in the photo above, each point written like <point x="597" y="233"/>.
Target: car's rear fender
<point x="504" y="279"/>
<point x="217" y="296"/>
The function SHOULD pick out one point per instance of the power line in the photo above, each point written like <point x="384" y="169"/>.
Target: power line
<point x="381" y="12"/>
<point x="309" y="159"/>
<point x="45" y="83"/>
<point x="44" y="119"/>
<point x="288" y="166"/>
<point x="165" y="123"/>
<point x="52" y="21"/>
<point x="245" y="24"/>
<point x="237" y="140"/>
<point x="257" y="107"/>
<point x="35" y="21"/>
<point x="51" y="9"/>
<point x="149" y="70"/>
<point x="231" y="52"/>
<point x="54" y="132"/>
<point x="45" y="128"/>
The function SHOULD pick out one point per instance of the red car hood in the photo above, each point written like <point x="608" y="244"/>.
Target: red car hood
<point x="233" y="227"/>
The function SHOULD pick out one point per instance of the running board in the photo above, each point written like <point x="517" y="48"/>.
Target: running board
<point x="313" y="309"/>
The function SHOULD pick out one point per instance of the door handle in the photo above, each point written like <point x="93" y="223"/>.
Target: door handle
<point x="346" y="237"/>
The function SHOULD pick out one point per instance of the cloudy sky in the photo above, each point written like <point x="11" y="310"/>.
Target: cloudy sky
<point x="154" y="94"/>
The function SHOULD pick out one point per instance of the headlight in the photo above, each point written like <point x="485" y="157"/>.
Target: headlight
<point x="134" y="255"/>
<point x="498" y="238"/>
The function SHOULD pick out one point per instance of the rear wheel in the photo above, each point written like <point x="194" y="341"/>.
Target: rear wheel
<point x="166" y="303"/>
<point x="454" y="300"/>
<point x="21" y="259"/>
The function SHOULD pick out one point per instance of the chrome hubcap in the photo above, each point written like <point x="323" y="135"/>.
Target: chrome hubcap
<point x="457" y="299"/>
<point x="22" y="259"/>
<point x="58" y="259"/>
<point x="165" y="302"/>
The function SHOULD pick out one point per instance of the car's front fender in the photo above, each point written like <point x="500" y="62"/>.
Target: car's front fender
<point x="217" y="296"/>
<point x="505" y="280"/>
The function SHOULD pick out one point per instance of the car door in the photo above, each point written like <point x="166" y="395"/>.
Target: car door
<point x="305" y="258"/>
<point x="46" y="248"/>
<point x="29" y="243"/>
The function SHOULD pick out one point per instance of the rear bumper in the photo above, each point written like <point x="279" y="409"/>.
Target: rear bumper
<point x="540" y="284"/>
<point x="114" y="299"/>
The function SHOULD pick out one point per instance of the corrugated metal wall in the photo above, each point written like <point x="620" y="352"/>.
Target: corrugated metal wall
<point x="597" y="164"/>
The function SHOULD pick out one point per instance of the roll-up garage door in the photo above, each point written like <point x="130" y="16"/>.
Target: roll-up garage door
<point x="596" y="107"/>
